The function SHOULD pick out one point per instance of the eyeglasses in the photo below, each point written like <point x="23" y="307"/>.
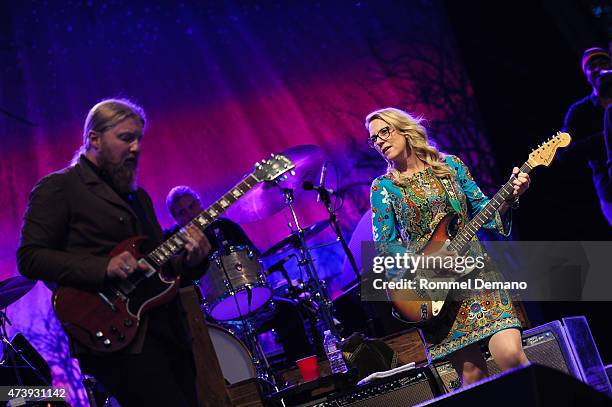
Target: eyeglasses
<point x="383" y="134"/>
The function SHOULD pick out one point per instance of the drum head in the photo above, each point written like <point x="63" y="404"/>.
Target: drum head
<point x="235" y="359"/>
<point x="245" y="302"/>
<point x="237" y="270"/>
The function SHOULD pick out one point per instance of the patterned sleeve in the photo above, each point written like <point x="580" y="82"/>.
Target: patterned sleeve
<point x="477" y="200"/>
<point x="383" y="217"/>
<point x="384" y="227"/>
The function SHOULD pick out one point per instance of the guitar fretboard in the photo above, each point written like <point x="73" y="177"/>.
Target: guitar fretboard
<point x="465" y="235"/>
<point x="177" y="242"/>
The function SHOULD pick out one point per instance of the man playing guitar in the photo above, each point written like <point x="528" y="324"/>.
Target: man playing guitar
<point x="75" y="218"/>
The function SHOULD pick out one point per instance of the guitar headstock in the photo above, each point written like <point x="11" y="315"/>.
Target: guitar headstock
<point x="272" y="168"/>
<point x="545" y="153"/>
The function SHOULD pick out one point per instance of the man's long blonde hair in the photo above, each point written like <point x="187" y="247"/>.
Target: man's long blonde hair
<point x="416" y="137"/>
<point x="104" y="115"/>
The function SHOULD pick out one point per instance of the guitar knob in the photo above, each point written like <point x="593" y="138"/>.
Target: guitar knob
<point x="128" y="322"/>
<point x="99" y="335"/>
<point x="121" y="337"/>
<point x="107" y="342"/>
<point x="113" y="329"/>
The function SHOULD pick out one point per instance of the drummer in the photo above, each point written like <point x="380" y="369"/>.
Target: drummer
<point x="184" y="204"/>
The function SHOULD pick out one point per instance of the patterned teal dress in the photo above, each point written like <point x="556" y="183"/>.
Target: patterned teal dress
<point x="407" y="211"/>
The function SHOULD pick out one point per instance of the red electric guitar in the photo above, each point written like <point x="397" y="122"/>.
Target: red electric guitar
<point x="107" y="321"/>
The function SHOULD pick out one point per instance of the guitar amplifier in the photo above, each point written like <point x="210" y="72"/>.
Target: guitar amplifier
<point x="401" y="390"/>
<point x="545" y="345"/>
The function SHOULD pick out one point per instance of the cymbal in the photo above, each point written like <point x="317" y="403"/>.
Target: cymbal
<point x="13" y="289"/>
<point x="293" y="240"/>
<point x="266" y="198"/>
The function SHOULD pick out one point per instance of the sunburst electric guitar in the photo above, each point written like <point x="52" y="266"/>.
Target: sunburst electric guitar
<point x="454" y="235"/>
<point x="108" y="320"/>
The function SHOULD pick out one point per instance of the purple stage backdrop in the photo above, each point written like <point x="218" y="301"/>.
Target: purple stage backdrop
<point x="223" y="85"/>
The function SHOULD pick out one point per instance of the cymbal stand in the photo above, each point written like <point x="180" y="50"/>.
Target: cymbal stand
<point x="11" y="352"/>
<point x="333" y="221"/>
<point x="321" y="297"/>
<point x="262" y="366"/>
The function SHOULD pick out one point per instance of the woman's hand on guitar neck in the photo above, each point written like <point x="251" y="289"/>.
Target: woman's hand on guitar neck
<point x="520" y="183"/>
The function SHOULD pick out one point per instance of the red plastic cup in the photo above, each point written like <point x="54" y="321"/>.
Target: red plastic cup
<point x="308" y="368"/>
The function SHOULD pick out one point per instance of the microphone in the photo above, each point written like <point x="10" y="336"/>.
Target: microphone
<point x="309" y="186"/>
<point x="322" y="178"/>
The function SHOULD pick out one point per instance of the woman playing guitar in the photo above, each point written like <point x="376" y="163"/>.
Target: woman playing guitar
<point x="421" y="186"/>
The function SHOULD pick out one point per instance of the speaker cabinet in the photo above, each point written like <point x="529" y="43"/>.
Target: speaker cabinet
<point x="545" y="345"/>
<point x="548" y="345"/>
<point x="587" y="355"/>
<point x="534" y="386"/>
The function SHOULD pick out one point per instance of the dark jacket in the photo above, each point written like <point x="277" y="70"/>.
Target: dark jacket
<point x="72" y="222"/>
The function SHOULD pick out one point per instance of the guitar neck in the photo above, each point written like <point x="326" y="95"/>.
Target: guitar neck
<point x="177" y="241"/>
<point x="465" y="235"/>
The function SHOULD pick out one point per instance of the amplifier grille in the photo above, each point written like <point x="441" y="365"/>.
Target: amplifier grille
<point x="405" y="391"/>
<point x="541" y="348"/>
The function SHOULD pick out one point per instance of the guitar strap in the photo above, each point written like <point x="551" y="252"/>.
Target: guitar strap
<point x="452" y="195"/>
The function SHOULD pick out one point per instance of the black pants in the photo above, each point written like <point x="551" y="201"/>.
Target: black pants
<point x="159" y="376"/>
<point x="163" y="374"/>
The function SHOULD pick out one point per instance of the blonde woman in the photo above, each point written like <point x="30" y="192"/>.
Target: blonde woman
<point x="420" y="187"/>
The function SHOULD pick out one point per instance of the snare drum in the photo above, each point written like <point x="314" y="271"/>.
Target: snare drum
<point x="234" y="284"/>
<point x="235" y="359"/>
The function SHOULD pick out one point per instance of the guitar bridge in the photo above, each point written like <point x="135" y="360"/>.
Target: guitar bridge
<point x="424" y="311"/>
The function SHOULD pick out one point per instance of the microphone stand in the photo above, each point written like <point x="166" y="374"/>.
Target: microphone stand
<point x="323" y="300"/>
<point x="333" y="221"/>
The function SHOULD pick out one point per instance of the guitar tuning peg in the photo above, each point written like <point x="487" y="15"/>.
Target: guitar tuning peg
<point x="292" y="172"/>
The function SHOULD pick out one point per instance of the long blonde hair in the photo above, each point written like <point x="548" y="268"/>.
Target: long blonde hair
<point x="416" y="138"/>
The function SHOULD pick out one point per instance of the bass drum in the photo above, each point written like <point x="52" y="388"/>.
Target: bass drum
<point x="235" y="359"/>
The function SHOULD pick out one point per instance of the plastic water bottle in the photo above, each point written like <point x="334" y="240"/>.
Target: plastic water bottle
<point x="334" y="353"/>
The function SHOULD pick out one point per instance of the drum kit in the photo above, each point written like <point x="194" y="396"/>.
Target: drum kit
<point x="235" y="290"/>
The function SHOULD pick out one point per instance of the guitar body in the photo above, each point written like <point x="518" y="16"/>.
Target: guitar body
<point x="108" y="321"/>
<point x="416" y="306"/>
